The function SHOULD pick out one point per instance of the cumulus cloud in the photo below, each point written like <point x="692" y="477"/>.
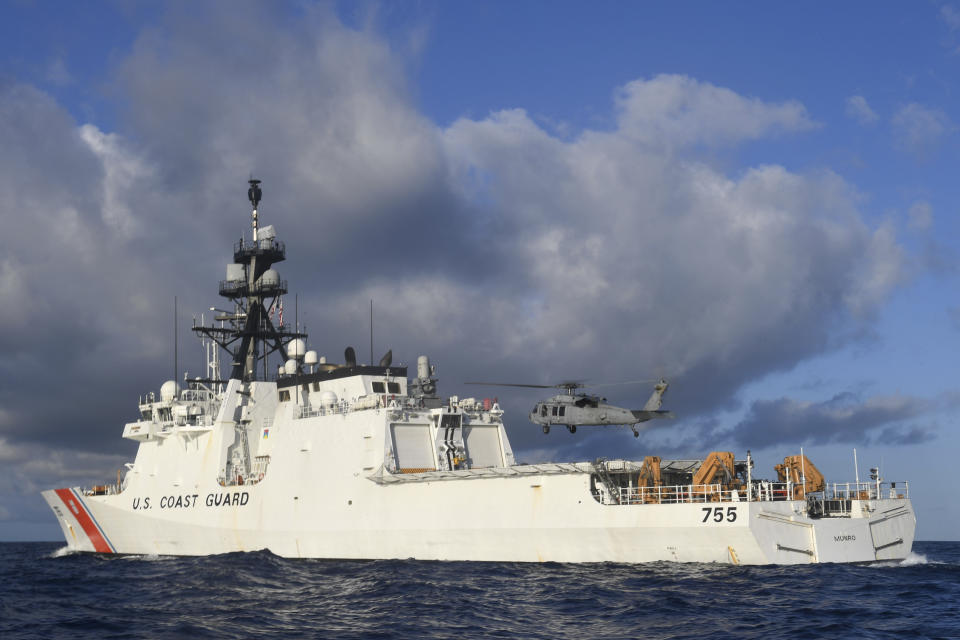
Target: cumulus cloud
<point x="671" y="261"/>
<point x="676" y="111"/>
<point x="920" y="130"/>
<point x="859" y="110"/>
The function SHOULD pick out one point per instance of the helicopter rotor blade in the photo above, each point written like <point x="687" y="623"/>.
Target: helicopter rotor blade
<point x="613" y="384"/>
<point x="508" y="384"/>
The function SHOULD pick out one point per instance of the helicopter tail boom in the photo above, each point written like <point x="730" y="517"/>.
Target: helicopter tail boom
<point x="656" y="398"/>
<point x="643" y="415"/>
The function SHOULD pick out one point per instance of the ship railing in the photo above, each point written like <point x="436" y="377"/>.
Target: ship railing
<point x="764" y="491"/>
<point x="675" y="494"/>
<point x="309" y="411"/>
<point x="102" y="490"/>
<point x="866" y="490"/>
<point x="197" y="395"/>
<point x="836" y="494"/>
<point x="834" y="499"/>
<point x="837" y="499"/>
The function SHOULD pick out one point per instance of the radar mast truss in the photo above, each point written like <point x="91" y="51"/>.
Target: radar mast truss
<point x="247" y="332"/>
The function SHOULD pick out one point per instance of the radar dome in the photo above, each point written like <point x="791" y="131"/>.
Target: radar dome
<point x="296" y="348"/>
<point x="328" y="398"/>
<point x="270" y="278"/>
<point x="290" y="367"/>
<point x="168" y="391"/>
<point x="310" y="357"/>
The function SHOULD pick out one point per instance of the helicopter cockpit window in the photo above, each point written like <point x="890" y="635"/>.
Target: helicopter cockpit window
<point x="543" y="410"/>
<point x="554" y="410"/>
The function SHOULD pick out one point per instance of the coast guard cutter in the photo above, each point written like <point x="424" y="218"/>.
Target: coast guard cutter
<point x="341" y="460"/>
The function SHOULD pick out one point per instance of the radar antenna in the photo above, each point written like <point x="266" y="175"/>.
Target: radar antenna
<point x="254" y="194"/>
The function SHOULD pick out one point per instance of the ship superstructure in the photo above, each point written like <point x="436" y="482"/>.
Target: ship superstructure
<point x="343" y="460"/>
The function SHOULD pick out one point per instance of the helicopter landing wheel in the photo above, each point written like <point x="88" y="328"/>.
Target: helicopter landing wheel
<point x="546" y="428"/>
<point x="636" y="434"/>
<point x="572" y="428"/>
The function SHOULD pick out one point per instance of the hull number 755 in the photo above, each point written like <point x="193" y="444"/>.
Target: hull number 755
<point x="717" y="514"/>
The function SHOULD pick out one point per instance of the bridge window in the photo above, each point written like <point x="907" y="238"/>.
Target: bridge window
<point x="284" y="395"/>
<point x="378" y="387"/>
<point x="393" y="387"/>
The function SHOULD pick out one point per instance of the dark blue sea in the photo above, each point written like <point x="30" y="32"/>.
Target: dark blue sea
<point x="46" y="593"/>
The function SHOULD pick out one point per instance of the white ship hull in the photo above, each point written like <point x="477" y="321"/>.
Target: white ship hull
<point x="314" y="503"/>
<point x="538" y="525"/>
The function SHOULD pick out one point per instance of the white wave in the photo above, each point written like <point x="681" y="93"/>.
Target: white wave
<point x="913" y="559"/>
<point x="146" y="557"/>
<point x="62" y="551"/>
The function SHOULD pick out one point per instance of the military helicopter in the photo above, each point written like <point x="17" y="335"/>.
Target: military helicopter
<point x="574" y="409"/>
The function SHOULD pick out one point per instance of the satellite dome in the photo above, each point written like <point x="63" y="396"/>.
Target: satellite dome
<point x="270" y="278"/>
<point x="168" y="391"/>
<point x="290" y="367"/>
<point x="310" y="357"/>
<point x="328" y="398"/>
<point x="296" y="348"/>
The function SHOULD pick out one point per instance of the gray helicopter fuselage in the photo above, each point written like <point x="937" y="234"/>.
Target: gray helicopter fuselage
<point x="581" y="410"/>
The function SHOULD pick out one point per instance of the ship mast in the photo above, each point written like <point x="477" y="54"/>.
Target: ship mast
<point x="253" y="286"/>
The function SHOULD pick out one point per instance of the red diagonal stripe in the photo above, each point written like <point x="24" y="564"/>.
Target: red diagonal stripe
<point x="76" y="508"/>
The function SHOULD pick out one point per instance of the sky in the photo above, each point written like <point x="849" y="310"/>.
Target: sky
<point x="756" y="201"/>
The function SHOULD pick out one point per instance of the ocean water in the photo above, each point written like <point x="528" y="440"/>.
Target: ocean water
<point x="46" y="593"/>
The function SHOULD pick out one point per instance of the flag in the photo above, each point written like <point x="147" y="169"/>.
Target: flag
<point x="280" y="313"/>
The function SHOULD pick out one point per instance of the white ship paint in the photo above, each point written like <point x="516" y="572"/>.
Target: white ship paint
<point x="352" y="461"/>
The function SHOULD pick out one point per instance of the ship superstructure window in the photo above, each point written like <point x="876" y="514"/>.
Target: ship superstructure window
<point x="147" y="414"/>
<point x="393" y="387"/>
<point x="284" y="395"/>
<point x="316" y="386"/>
<point x="378" y="387"/>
